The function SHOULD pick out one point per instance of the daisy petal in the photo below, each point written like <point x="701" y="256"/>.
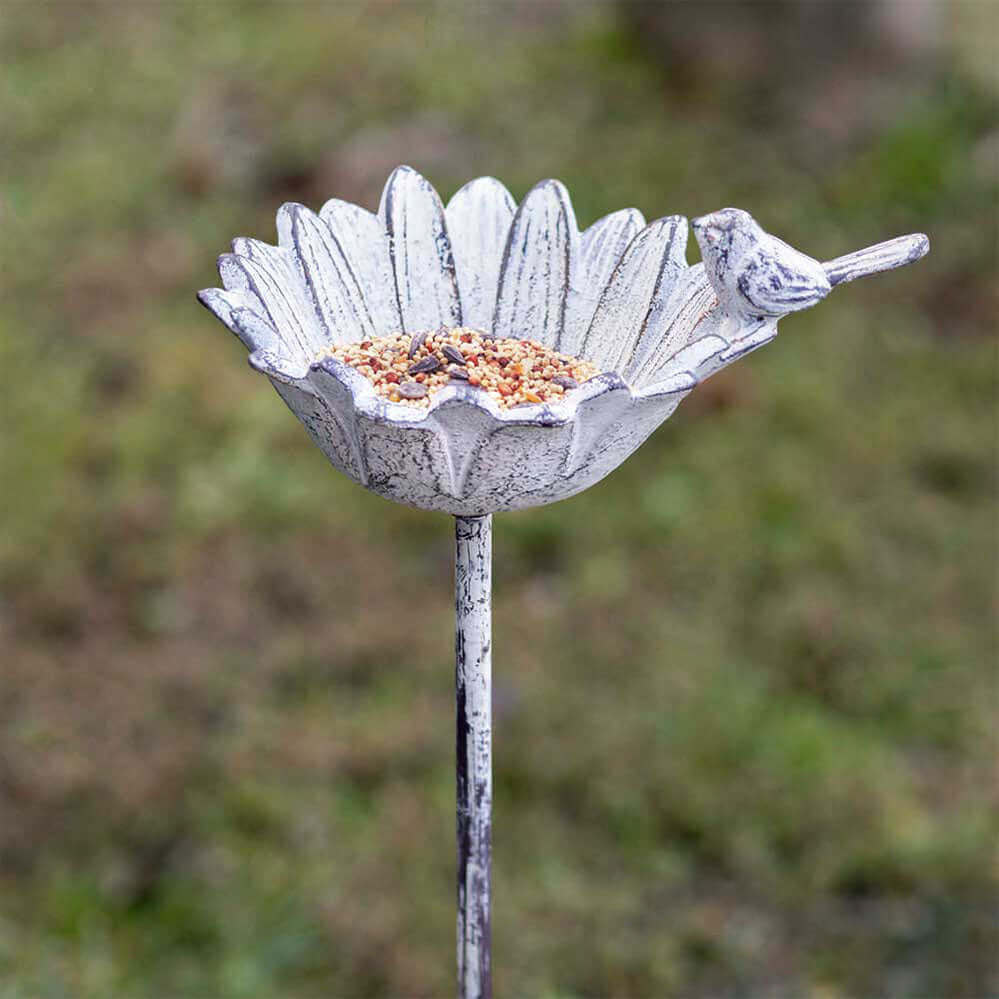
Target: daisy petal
<point x="223" y="303"/>
<point x="537" y="267"/>
<point x="675" y="320"/>
<point x="601" y="247"/>
<point x="256" y="332"/>
<point x="413" y="216"/>
<point x="478" y="221"/>
<point x="364" y="243"/>
<point x="281" y="263"/>
<point x="278" y="365"/>
<point x="696" y="358"/>
<point x="336" y="289"/>
<point x="653" y="260"/>
<point x="678" y="381"/>
<point x="746" y="344"/>
<point x="272" y="274"/>
<point x="235" y="279"/>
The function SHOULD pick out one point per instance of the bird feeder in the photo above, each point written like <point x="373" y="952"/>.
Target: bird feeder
<point x="431" y="352"/>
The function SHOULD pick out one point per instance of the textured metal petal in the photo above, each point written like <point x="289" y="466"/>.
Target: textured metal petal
<point x="601" y="412"/>
<point x="464" y="431"/>
<point x="425" y="281"/>
<point x="739" y="349"/>
<point x="331" y="421"/>
<point x="236" y="279"/>
<point x="676" y="316"/>
<point x="364" y="243"/>
<point x="272" y="274"/>
<point x="478" y="223"/>
<point x="669" y="384"/>
<point x="337" y="289"/>
<point x="224" y="305"/>
<point x="257" y="333"/>
<point x="714" y="340"/>
<point x="537" y="267"/>
<point x="279" y="366"/>
<point x="652" y="262"/>
<point x="601" y="247"/>
<point x="283" y="267"/>
<point x="696" y="357"/>
<point x="464" y="455"/>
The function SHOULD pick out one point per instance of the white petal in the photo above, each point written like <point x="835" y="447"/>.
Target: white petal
<point x="696" y="357"/>
<point x="224" y="303"/>
<point x="478" y="222"/>
<point x="464" y="430"/>
<point x="748" y="343"/>
<point x="278" y="365"/>
<point x="593" y="418"/>
<point x="413" y="216"/>
<point x="677" y="381"/>
<point x="235" y="279"/>
<point x="337" y="291"/>
<point x="653" y="260"/>
<point x="674" y="321"/>
<point x="365" y="245"/>
<point x="257" y="333"/>
<point x="272" y="274"/>
<point x="537" y="267"/>
<point x="327" y="409"/>
<point x="601" y="247"/>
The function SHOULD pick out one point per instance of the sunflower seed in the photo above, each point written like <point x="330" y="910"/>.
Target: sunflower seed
<point x="565" y="381"/>
<point x="411" y="390"/>
<point x="453" y="354"/>
<point x="426" y="366"/>
<point x="459" y="373"/>
<point x="416" y="343"/>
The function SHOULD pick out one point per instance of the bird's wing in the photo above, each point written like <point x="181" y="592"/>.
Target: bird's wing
<point x="780" y="279"/>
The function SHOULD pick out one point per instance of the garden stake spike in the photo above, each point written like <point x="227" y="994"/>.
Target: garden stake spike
<point x="473" y="744"/>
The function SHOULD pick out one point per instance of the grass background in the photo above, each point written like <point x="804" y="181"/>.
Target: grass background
<point x="744" y="688"/>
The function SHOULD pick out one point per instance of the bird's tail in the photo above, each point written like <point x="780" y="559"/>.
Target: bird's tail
<point x="882" y="257"/>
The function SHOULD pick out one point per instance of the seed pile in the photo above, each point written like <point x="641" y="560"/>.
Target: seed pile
<point x="407" y="368"/>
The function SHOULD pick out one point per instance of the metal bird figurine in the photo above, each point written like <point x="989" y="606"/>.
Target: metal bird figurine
<point x="756" y="275"/>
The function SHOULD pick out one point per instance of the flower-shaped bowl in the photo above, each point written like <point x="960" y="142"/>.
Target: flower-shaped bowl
<point x="619" y="294"/>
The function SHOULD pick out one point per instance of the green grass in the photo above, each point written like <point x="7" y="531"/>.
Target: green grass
<point x="745" y="688"/>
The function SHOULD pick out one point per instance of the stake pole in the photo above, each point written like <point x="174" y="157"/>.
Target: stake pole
<point x="473" y="684"/>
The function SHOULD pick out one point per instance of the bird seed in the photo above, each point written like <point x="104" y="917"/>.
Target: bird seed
<point x="410" y="369"/>
<point x="454" y="355"/>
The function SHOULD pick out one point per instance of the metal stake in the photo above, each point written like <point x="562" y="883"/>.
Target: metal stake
<point x="473" y="683"/>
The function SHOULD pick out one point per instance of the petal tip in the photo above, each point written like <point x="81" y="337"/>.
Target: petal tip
<point x="278" y="365"/>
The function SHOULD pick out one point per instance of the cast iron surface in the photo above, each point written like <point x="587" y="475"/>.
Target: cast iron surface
<point x="620" y="294"/>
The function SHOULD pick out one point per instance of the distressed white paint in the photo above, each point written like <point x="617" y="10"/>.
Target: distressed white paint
<point x="619" y="294"/>
<point x="884" y="256"/>
<point x="757" y="275"/>
<point x="474" y="789"/>
<point x="537" y="269"/>
<point x="425" y="280"/>
<point x="478" y="223"/>
<point x="654" y="259"/>
<point x="601" y="246"/>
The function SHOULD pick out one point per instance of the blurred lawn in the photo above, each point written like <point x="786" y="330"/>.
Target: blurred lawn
<point x="745" y="688"/>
